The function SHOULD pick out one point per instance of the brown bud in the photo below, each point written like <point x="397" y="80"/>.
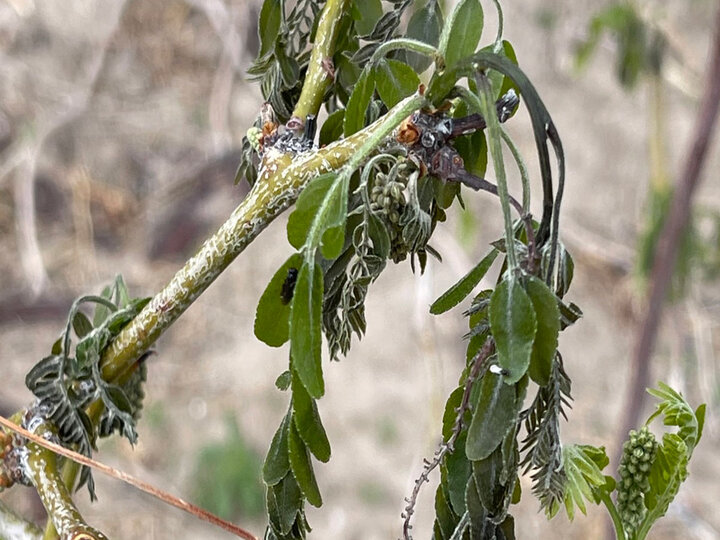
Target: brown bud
<point x="408" y="133"/>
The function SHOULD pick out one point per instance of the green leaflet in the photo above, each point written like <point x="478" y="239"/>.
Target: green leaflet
<point x="305" y="327"/>
<point x="456" y="471"/>
<point x="493" y="415"/>
<point x="395" y="81"/>
<point x="359" y="102"/>
<point x="276" y="463"/>
<point x="269" y="25"/>
<point x="462" y="32"/>
<point x="449" y="416"/>
<point x="545" y="305"/>
<point x="513" y="325"/>
<point x="284" y="503"/>
<point x="444" y="514"/>
<point x="319" y="216"/>
<point x="583" y="466"/>
<point x="302" y="468"/>
<point x="272" y="318"/>
<point x="366" y="14"/>
<point x="332" y="128"/>
<point x="458" y="292"/>
<point x="425" y="25"/>
<point x="668" y="472"/>
<point x="308" y="423"/>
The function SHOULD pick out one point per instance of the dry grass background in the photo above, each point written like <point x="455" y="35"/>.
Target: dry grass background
<point x="119" y="127"/>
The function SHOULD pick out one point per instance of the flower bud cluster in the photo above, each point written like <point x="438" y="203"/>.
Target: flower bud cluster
<point x="387" y="197"/>
<point x="638" y="454"/>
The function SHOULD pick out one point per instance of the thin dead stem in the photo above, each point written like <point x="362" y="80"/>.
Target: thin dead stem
<point x="477" y="365"/>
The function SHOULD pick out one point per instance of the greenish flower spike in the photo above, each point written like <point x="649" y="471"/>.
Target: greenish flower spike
<point x="638" y="454"/>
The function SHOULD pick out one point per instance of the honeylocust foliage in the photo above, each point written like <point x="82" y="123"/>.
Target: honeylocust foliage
<point x="426" y="93"/>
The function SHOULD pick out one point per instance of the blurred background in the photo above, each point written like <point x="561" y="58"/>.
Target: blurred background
<point x="120" y="128"/>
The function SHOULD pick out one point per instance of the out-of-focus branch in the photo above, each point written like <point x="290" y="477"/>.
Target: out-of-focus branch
<point x="13" y="527"/>
<point x="669" y="240"/>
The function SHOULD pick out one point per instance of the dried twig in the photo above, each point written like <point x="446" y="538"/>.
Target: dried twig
<point x="479" y="362"/>
<point x="139" y="484"/>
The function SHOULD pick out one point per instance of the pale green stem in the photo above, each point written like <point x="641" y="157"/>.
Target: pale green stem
<point x="402" y="43"/>
<point x="494" y="136"/>
<point x="497" y="46"/>
<point x="522" y="168"/>
<point x="41" y="465"/>
<point x="318" y="78"/>
<point x="13" y="527"/>
<point x="614" y="516"/>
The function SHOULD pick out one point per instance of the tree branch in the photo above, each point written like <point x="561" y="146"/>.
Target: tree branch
<point x="669" y="240"/>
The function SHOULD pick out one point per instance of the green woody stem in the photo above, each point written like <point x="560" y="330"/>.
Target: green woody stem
<point x="318" y="77"/>
<point x="43" y="471"/>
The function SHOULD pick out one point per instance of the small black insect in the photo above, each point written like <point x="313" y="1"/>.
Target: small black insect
<point x="288" y="286"/>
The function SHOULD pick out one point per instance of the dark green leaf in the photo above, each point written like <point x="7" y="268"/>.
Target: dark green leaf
<point x="450" y="413"/>
<point x="306" y="209"/>
<point x="457" y="471"/>
<point x="366" y="14"/>
<point x="395" y="81"/>
<point x="444" y="514"/>
<point x="276" y="463"/>
<point x="269" y="24"/>
<point x="305" y="326"/>
<point x="379" y="236"/>
<point x="425" y="25"/>
<point x="513" y="325"/>
<point x="81" y="324"/>
<point x="458" y="292"/>
<point x="487" y="474"/>
<point x="285" y="502"/>
<point x="284" y="380"/>
<point x="308" y="423"/>
<point x="493" y="415"/>
<point x="481" y="528"/>
<point x="302" y="468"/>
<point x="272" y="318"/>
<point x="545" y="304"/>
<point x="358" y="103"/>
<point x="462" y="32"/>
<point x="332" y="129"/>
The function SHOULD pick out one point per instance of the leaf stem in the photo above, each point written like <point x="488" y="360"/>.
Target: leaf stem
<point x="614" y="516"/>
<point x="522" y="168"/>
<point x="403" y="43"/>
<point x="317" y="78"/>
<point x="494" y="136"/>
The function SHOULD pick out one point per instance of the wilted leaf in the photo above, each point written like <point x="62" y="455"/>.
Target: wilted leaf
<point x="276" y="463"/>
<point x="308" y="423"/>
<point x="305" y="327"/>
<point x="302" y="468"/>
<point x="272" y="318"/>
<point x="545" y="305"/>
<point x="513" y="325"/>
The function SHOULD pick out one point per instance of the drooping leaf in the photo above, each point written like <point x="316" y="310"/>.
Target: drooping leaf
<point x="395" y="81"/>
<point x="444" y="514"/>
<point x="284" y="380"/>
<point x="301" y="466"/>
<point x="458" y="292"/>
<point x="366" y="14"/>
<point x="513" y="325"/>
<point x="545" y="305"/>
<point x="359" y="102"/>
<point x="269" y="24"/>
<point x="425" y="25"/>
<point x="457" y="470"/>
<point x="462" y="32"/>
<point x="306" y="209"/>
<point x="81" y="324"/>
<point x="284" y="503"/>
<point x="276" y="463"/>
<point x="487" y="473"/>
<point x="308" y="423"/>
<point x="272" y="318"/>
<point x="305" y="329"/>
<point x="332" y="129"/>
<point x="493" y="415"/>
